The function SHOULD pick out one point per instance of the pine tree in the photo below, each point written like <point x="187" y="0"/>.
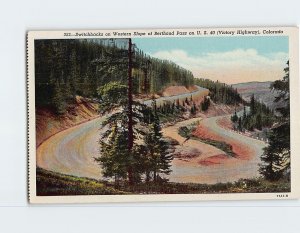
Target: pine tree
<point x="158" y="158"/>
<point x="205" y="103"/>
<point x="177" y="104"/>
<point x="276" y="157"/>
<point x="244" y="113"/>
<point x="58" y="100"/>
<point x="187" y="101"/>
<point x="252" y="105"/>
<point x="240" y="126"/>
<point x="112" y="98"/>
<point x="193" y="109"/>
<point x="258" y="122"/>
<point x="234" y="118"/>
<point x="114" y="155"/>
<point x="91" y="63"/>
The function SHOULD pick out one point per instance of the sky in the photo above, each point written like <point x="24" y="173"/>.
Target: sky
<point x="227" y="59"/>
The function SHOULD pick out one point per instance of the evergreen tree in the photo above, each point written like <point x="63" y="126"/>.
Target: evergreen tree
<point x="205" y="104"/>
<point x="58" y="100"/>
<point x="240" y="126"/>
<point x="276" y="157"/>
<point x="114" y="155"/>
<point x="193" y="109"/>
<point x="260" y="116"/>
<point x="177" y="104"/>
<point x="258" y="122"/>
<point x="158" y="158"/>
<point x="86" y="64"/>
<point x="220" y="92"/>
<point x="187" y="101"/>
<point x="234" y="118"/>
<point x="173" y="107"/>
<point x="112" y="98"/>
<point x="244" y="113"/>
<point x="252" y="105"/>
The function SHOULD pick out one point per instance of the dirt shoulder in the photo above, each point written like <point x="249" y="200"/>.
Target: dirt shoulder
<point x="241" y="150"/>
<point x="178" y="90"/>
<point x="49" y="124"/>
<point x="209" y="164"/>
<point x="191" y="151"/>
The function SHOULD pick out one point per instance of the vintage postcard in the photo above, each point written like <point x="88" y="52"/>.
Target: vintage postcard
<point x="163" y="115"/>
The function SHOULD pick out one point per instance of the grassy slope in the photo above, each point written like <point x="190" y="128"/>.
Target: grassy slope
<point x="54" y="184"/>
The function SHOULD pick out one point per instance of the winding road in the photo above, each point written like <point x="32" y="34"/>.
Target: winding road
<point x="71" y="151"/>
<point x="228" y="169"/>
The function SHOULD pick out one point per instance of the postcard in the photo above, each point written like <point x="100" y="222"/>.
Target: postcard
<point x="163" y="115"/>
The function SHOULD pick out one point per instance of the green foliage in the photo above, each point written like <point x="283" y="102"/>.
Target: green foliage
<point x="149" y="158"/>
<point x="205" y="104"/>
<point x="186" y="132"/>
<point x="193" y="109"/>
<point x="282" y="87"/>
<point x="220" y="92"/>
<point x="240" y="186"/>
<point x="240" y="125"/>
<point x="56" y="184"/>
<point x="114" y="155"/>
<point x="276" y="157"/>
<point x="259" y="117"/>
<point x="253" y="105"/>
<point x="170" y="111"/>
<point x="112" y="95"/>
<point x="157" y="159"/>
<point x="81" y="66"/>
<point x="59" y="103"/>
<point x="118" y="159"/>
<point x="234" y="117"/>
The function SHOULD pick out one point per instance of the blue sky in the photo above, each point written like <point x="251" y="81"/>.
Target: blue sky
<point x="198" y="45"/>
<point x="228" y="59"/>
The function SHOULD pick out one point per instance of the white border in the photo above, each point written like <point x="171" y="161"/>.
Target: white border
<point x="291" y="32"/>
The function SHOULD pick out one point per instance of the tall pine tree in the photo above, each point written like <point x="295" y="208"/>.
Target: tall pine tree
<point x="276" y="157"/>
<point x="158" y="157"/>
<point x="114" y="154"/>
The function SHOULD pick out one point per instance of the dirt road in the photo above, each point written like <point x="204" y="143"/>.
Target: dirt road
<point x="224" y="168"/>
<point x="71" y="152"/>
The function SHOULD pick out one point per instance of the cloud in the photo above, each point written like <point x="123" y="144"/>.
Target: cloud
<point x="231" y="66"/>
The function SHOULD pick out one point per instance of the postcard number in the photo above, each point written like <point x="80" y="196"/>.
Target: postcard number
<point x="282" y="195"/>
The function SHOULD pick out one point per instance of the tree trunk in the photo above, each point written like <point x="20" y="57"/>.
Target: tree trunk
<point x="130" y="122"/>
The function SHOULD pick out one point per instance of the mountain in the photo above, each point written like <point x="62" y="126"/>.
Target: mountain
<point x="261" y="91"/>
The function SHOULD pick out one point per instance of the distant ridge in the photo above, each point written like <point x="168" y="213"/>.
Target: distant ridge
<point x="261" y="91"/>
<point x="251" y="82"/>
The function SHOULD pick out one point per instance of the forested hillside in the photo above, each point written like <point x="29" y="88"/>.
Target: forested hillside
<point x="262" y="92"/>
<point x="259" y="117"/>
<point x="65" y="68"/>
<point x="220" y="92"/>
